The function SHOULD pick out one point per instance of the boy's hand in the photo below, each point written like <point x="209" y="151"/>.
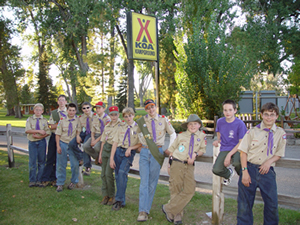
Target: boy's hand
<point x="265" y="167"/>
<point x="93" y="142"/>
<point x="191" y="161"/>
<point x="42" y="132"/>
<point x="100" y="159"/>
<point x="58" y="149"/>
<point x="216" y="143"/>
<point x="112" y="164"/>
<point x="78" y="139"/>
<point x="128" y="152"/>
<point x="227" y="160"/>
<point x="246" y="180"/>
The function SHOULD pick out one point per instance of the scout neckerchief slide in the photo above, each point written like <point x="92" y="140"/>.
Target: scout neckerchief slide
<point x="151" y="144"/>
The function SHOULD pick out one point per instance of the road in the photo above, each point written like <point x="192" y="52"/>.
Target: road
<point x="288" y="180"/>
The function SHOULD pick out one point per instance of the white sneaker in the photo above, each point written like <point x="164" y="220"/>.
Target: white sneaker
<point x="228" y="181"/>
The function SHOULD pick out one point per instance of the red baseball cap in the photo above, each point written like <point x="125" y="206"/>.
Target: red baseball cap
<point x="100" y="104"/>
<point x="113" y="109"/>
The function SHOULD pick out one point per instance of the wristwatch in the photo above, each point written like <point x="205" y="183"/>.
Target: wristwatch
<point x="244" y="168"/>
<point x="196" y="153"/>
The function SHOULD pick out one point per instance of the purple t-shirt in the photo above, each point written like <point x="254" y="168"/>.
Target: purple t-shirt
<point x="231" y="133"/>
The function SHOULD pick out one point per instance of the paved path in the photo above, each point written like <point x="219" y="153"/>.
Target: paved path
<point x="288" y="180"/>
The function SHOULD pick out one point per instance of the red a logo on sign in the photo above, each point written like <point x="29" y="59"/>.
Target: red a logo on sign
<point x="144" y="28"/>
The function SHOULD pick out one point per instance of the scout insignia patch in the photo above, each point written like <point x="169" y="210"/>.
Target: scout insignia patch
<point x="181" y="148"/>
<point x="284" y="136"/>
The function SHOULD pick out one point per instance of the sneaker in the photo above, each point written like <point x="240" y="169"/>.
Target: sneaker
<point x="177" y="219"/>
<point x="168" y="217"/>
<point x="31" y="184"/>
<point x="228" y="181"/>
<point x="111" y="201"/>
<point x="53" y="183"/>
<point x="143" y="216"/>
<point x="71" y="186"/>
<point x="117" y="206"/>
<point x="104" y="200"/>
<point x="39" y="184"/>
<point x="59" y="188"/>
<point x="87" y="171"/>
<point x="45" y="183"/>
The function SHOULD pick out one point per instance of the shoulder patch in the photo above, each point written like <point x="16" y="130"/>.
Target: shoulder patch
<point x="27" y="119"/>
<point x="248" y="131"/>
<point x="284" y="136"/>
<point x="61" y="118"/>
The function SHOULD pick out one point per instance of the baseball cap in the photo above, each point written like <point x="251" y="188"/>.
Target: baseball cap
<point x="149" y="102"/>
<point x="113" y="109"/>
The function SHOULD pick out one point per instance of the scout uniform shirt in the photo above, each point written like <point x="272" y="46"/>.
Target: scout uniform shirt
<point x="255" y="144"/>
<point x="97" y="126"/>
<point x="110" y="131"/>
<point x="181" y="145"/>
<point x="31" y="125"/>
<point x="61" y="114"/>
<point x="66" y="131"/>
<point x="162" y="125"/>
<point x="82" y="122"/>
<point x="123" y="135"/>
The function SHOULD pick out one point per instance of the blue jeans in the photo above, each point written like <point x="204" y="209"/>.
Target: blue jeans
<point x="73" y="145"/>
<point x="61" y="163"/>
<point x="149" y="173"/>
<point x="246" y="195"/>
<point x="74" y="165"/>
<point x="123" y="165"/>
<point x="37" y="152"/>
<point x="50" y="167"/>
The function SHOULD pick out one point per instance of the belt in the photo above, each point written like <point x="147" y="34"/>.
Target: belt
<point x="145" y="146"/>
<point x="184" y="162"/>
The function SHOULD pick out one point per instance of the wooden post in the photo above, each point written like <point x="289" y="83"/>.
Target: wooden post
<point x="10" y="151"/>
<point x="217" y="195"/>
<point x="282" y="122"/>
<point x="215" y="125"/>
<point x="80" y="176"/>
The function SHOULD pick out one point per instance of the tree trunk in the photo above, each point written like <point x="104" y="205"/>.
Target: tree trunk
<point x="18" y="111"/>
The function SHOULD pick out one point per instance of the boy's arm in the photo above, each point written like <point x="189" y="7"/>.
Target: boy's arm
<point x="57" y="139"/>
<point x="100" y="154"/>
<point x="134" y="147"/>
<point x="246" y="179"/>
<point x="112" y="155"/>
<point x="78" y="138"/>
<point x="218" y="141"/>
<point x="230" y="154"/>
<point x="264" y="168"/>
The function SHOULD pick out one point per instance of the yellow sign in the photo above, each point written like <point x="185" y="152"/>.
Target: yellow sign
<point x="144" y="38"/>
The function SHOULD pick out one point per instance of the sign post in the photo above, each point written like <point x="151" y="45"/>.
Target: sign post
<point x="142" y="42"/>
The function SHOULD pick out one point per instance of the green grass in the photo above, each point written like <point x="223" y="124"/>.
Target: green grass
<point x="20" y="204"/>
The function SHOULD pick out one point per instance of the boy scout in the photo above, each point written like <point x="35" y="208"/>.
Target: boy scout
<point x="152" y="130"/>
<point x="82" y="135"/>
<point x="125" y="142"/>
<point x="183" y="152"/>
<point x="108" y="186"/>
<point x="37" y="129"/>
<point x="65" y="132"/>
<point x="93" y="144"/>
<point x="49" y="174"/>
<point x="260" y="148"/>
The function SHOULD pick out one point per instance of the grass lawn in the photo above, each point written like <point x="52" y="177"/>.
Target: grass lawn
<point x="20" y="204"/>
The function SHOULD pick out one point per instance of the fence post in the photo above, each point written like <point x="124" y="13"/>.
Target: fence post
<point x="10" y="151"/>
<point x="215" y="125"/>
<point x="80" y="176"/>
<point x="282" y="122"/>
<point x="217" y="195"/>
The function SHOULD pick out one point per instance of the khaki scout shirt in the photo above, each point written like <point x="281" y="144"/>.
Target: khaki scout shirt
<point x="110" y="131"/>
<point x="180" y="146"/>
<point x="30" y="125"/>
<point x="63" y="129"/>
<point x="119" y="136"/>
<point x="255" y="144"/>
<point x="162" y="125"/>
<point x="82" y="122"/>
<point x="51" y="121"/>
<point x="97" y="124"/>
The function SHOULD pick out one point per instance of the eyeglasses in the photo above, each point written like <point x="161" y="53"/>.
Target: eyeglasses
<point x="84" y="108"/>
<point x="272" y="115"/>
<point x="150" y="107"/>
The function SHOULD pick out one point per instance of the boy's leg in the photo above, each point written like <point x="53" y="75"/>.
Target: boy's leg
<point x="73" y="146"/>
<point x="74" y="165"/>
<point x="121" y="173"/>
<point x="154" y="170"/>
<point x="236" y="162"/>
<point x="246" y="196"/>
<point x="144" y="165"/>
<point x="61" y="164"/>
<point x="268" y="189"/>
<point x="86" y="157"/>
<point x="89" y="149"/>
<point x="42" y="145"/>
<point x="182" y="187"/>
<point x="50" y="167"/>
<point x="218" y="168"/>
<point x="32" y="147"/>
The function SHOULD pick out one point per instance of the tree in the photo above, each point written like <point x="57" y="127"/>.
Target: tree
<point x="294" y="78"/>
<point x="10" y="69"/>
<point x="209" y="70"/>
<point x="145" y="70"/>
<point x="121" y="99"/>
